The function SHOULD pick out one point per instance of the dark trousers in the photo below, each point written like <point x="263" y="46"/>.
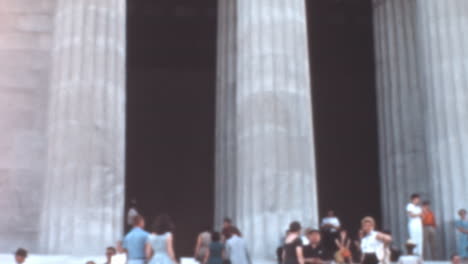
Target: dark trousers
<point x="370" y="259"/>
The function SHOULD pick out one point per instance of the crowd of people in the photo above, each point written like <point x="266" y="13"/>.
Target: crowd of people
<point x="329" y="243"/>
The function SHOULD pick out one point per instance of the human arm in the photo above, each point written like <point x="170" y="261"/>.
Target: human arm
<point x="207" y="256"/>
<point x="410" y="210"/>
<point x="197" y="246"/>
<point x="338" y="243"/>
<point x="300" y="255"/>
<point x="148" y="251"/>
<point x="384" y="237"/>
<point x="170" y="248"/>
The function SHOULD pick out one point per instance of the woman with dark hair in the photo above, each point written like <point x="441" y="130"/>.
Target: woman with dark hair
<point x="215" y="253"/>
<point x="159" y="246"/>
<point x="293" y="245"/>
<point x="343" y="242"/>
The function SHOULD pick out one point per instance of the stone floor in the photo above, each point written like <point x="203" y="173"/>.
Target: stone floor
<point x="42" y="259"/>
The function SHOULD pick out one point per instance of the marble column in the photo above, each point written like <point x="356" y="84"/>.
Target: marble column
<point x="402" y="110"/>
<point x="444" y="60"/>
<point x="85" y="176"/>
<point x="25" y="41"/>
<point x="263" y="78"/>
<point x="421" y="91"/>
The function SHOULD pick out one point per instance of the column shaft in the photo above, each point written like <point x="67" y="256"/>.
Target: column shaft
<point x="421" y="89"/>
<point x="85" y="184"/>
<point x="274" y="159"/>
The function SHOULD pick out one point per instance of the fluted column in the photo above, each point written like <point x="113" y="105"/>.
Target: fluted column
<point x="85" y="184"/>
<point x="444" y="57"/>
<point x="225" y="202"/>
<point x="402" y="111"/>
<point x="274" y="160"/>
<point x="421" y="89"/>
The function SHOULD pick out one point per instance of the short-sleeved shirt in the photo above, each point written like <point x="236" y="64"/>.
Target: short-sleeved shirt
<point x="290" y="251"/>
<point x="134" y="242"/>
<point x="334" y="221"/>
<point x="314" y="252"/>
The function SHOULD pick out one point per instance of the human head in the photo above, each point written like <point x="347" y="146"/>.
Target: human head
<point x="139" y="221"/>
<point x="410" y="246"/>
<point x="163" y="224"/>
<point x="295" y="227"/>
<point x="20" y="255"/>
<point x="330" y="213"/>
<point x="426" y="204"/>
<point x="215" y="236"/>
<point x="343" y="232"/>
<point x="415" y="198"/>
<point x="314" y="236"/>
<point x="110" y="252"/>
<point x="462" y="213"/>
<point x="368" y="224"/>
<point x="90" y="262"/>
<point x="227" y="222"/>
<point x="455" y="258"/>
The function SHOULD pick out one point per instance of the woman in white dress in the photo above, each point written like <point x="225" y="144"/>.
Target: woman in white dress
<point x="415" y="226"/>
<point x="159" y="246"/>
<point x="372" y="241"/>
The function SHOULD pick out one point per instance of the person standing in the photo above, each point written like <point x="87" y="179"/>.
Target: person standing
<point x="371" y="241"/>
<point x="159" y="245"/>
<point x="330" y="226"/>
<point x="225" y="231"/>
<point x="415" y="227"/>
<point x="215" y="254"/>
<point x="236" y="248"/>
<point x="429" y="230"/>
<point x="134" y="242"/>
<point x="462" y="234"/>
<point x="292" y="247"/>
<point x="132" y="212"/>
<point x="202" y="246"/>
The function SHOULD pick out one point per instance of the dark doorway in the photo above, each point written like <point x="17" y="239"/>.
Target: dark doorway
<point x="344" y="104"/>
<point x="171" y="110"/>
<point x="170" y="113"/>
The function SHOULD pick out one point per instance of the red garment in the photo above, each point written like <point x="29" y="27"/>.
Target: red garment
<point x="428" y="218"/>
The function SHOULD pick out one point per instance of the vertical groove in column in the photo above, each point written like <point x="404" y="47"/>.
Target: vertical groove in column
<point x="428" y="92"/>
<point x="85" y="116"/>
<point x="401" y="115"/>
<point x="272" y="128"/>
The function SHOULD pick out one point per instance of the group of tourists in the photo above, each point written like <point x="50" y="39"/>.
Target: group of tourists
<point x="329" y="243"/>
<point x="332" y="242"/>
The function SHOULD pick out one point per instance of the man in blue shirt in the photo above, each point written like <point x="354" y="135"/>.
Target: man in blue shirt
<point x="134" y="242"/>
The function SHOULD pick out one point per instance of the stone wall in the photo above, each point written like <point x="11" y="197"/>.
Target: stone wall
<point x="25" y="39"/>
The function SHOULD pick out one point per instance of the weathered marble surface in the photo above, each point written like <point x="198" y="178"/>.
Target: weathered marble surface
<point x="265" y="171"/>
<point x="422" y="92"/>
<point x="25" y="42"/>
<point x="85" y="179"/>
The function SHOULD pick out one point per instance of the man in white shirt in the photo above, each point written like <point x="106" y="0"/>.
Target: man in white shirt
<point x="415" y="226"/>
<point x="330" y="227"/>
